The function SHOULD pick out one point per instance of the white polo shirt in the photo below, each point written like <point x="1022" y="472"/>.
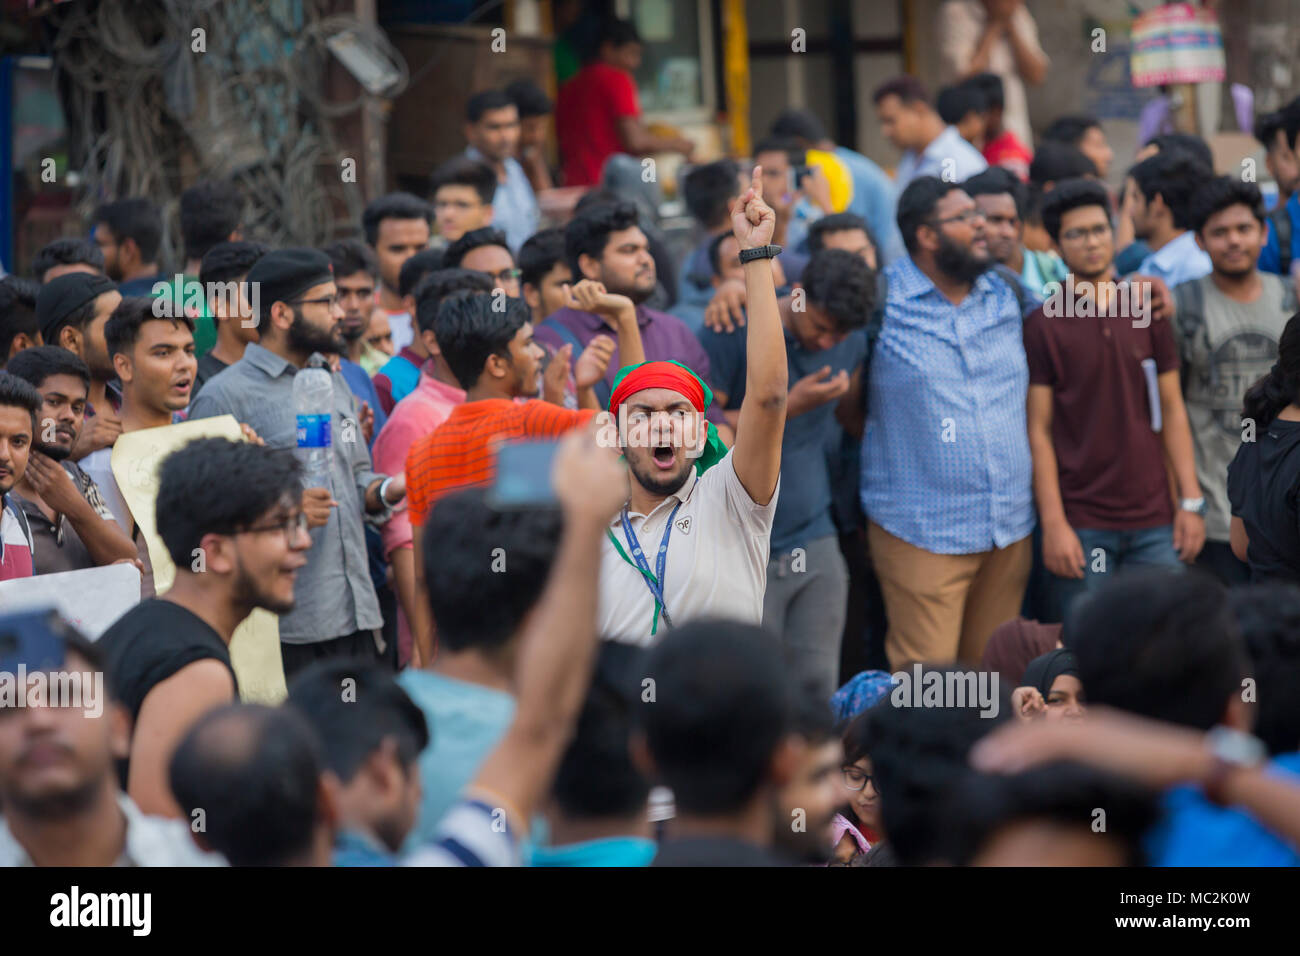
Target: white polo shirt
<point x="716" y="564"/>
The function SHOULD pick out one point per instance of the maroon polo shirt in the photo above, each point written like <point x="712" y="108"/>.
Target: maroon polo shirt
<point x="1110" y="462"/>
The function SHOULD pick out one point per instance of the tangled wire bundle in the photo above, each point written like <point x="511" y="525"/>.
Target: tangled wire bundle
<point x="162" y="92"/>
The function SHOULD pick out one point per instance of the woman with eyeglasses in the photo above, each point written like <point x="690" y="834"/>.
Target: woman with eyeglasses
<point x="856" y="828"/>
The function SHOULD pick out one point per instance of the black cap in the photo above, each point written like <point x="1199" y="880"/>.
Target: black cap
<point x="283" y="275"/>
<point x="60" y="297"/>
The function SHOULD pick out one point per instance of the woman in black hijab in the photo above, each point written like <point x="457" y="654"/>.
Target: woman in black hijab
<point x="1050" y="688"/>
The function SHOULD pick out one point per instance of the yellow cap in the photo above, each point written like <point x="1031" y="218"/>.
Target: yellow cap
<point x="837" y="175"/>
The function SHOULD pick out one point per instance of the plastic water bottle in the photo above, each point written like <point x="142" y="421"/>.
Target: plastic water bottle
<point x="313" y="401"/>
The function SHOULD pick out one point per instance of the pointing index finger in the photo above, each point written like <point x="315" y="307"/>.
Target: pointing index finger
<point x="756" y="182"/>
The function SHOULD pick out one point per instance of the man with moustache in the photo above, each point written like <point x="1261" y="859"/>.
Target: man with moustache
<point x="337" y="611"/>
<point x="63" y="806"/>
<point x="168" y="658"/>
<point x="154" y="359"/>
<point x="945" y="458"/>
<point x="19" y="403"/>
<point x="71" y="525"/>
<point x="604" y="243"/>
<point x="709" y="509"/>
<point x="72" y="311"/>
<point x="1227" y="325"/>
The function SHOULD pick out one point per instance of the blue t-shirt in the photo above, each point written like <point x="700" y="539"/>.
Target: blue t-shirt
<point x="803" y="510"/>
<point x="874" y="200"/>
<point x="612" y="851"/>
<point x="360" y="385"/>
<point x="1270" y="259"/>
<point x="1196" y="832"/>
<point x="465" y="722"/>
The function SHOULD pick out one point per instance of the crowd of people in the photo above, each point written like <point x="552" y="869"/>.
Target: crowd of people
<point x="904" y="520"/>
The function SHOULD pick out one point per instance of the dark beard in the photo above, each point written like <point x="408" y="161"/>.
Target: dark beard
<point x="1239" y="274"/>
<point x="52" y="452"/>
<point x="656" y="485"/>
<point x="959" y="263"/>
<point x="57" y="806"/>
<point x="248" y="594"/>
<point x="306" y="338"/>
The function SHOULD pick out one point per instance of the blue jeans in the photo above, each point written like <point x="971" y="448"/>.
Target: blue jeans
<point x="1107" y="552"/>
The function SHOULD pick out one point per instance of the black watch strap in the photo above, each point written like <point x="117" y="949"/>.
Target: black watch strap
<point x="759" y="252"/>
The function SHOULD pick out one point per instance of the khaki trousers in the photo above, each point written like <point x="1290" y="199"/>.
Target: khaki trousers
<point x="943" y="607"/>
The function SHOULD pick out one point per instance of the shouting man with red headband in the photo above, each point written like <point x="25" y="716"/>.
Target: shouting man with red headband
<point x="692" y="540"/>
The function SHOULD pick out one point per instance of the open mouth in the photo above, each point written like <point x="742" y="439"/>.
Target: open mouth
<point x="182" y="386"/>
<point x="664" y="456"/>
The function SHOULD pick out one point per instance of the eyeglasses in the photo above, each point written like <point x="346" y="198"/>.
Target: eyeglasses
<point x="1096" y="232"/>
<point x="970" y="215"/>
<point x="292" y="528"/>
<point x="506" y="275"/>
<point x="330" y="300"/>
<point x="855" y="778"/>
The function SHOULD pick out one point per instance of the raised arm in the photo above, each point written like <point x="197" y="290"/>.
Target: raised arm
<point x="761" y="426"/>
<point x="558" y="650"/>
<point x="588" y="295"/>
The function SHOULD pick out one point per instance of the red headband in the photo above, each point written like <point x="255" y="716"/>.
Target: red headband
<point x="668" y="375"/>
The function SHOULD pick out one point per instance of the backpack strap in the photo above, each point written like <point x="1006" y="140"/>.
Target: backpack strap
<point x="602" y="389"/>
<point x="1282" y="229"/>
<point x="1013" y="280"/>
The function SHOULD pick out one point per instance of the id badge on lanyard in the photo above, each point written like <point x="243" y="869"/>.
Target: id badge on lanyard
<point x="655" y="581"/>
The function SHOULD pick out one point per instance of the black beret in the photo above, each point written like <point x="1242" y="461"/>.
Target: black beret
<point x="283" y="275"/>
<point x="60" y="297"/>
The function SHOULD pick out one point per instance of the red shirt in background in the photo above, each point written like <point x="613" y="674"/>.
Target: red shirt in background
<point x="587" y="112"/>
<point x="1008" y="152"/>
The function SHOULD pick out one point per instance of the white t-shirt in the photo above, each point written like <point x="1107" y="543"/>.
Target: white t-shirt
<point x="403" y="329"/>
<point x="716" y="564"/>
<point x="150" y="841"/>
<point x="99" y="466"/>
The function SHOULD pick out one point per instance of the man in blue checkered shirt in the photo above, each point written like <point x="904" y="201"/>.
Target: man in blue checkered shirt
<point x="946" y="469"/>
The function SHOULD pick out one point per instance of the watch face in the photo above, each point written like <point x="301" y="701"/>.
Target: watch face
<point x="1235" y="747"/>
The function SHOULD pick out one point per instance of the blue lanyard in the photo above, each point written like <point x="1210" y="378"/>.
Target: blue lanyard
<point x="655" y="582"/>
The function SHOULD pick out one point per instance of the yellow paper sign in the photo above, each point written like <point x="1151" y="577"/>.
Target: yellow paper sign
<point x="137" y="456"/>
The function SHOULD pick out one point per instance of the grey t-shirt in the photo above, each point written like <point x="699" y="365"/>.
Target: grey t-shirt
<point x="1226" y="347"/>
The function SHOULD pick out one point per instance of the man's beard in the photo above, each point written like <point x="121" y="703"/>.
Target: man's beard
<point x="351" y="335"/>
<point x="306" y="338"/>
<point x="60" y="805"/>
<point x="807" y="847"/>
<point x="638" y="296"/>
<point x="959" y="263"/>
<point x="1238" y="274"/>
<point x="247" y="593"/>
<point x="53" y="452"/>
<point x="655" y="482"/>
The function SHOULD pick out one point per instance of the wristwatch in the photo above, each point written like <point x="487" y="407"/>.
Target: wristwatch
<point x="1195" y="505"/>
<point x="1231" y="750"/>
<point x="759" y="252"/>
